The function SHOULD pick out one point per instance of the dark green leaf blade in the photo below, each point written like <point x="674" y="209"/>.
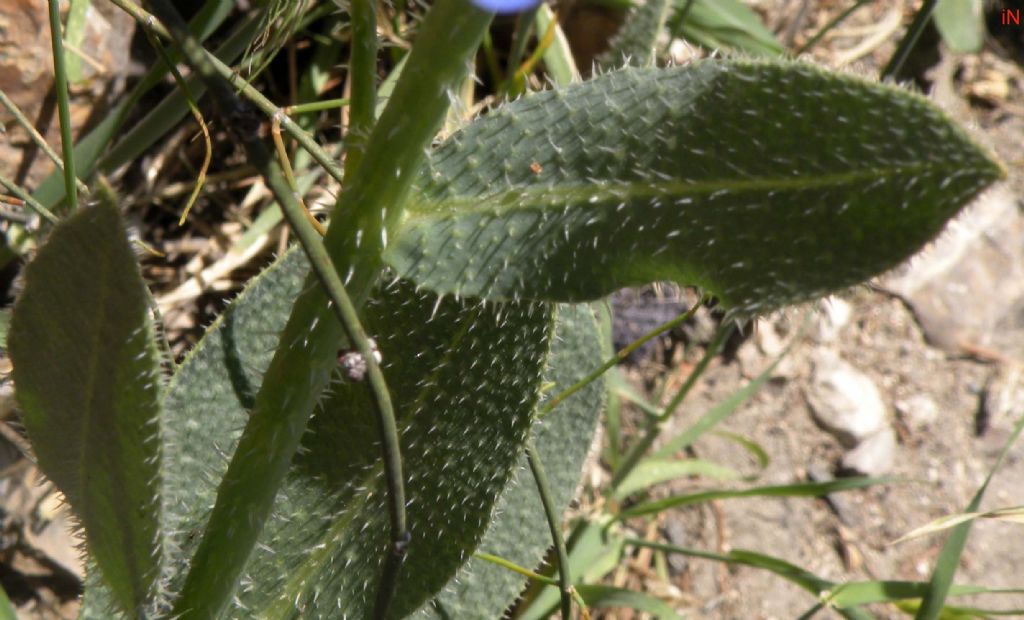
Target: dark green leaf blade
<point x="482" y="590"/>
<point x="718" y="174"/>
<point x="466" y="378"/>
<point x="87" y="371"/>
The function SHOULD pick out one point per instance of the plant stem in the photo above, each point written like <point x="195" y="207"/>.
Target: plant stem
<point x="36" y="137"/>
<point x="60" y="84"/>
<point x="363" y="80"/>
<point x="555" y="525"/>
<point x="28" y="200"/>
<point x="909" y="40"/>
<point x="620" y="356"/>
<point x="515" y="568"/>
<point x="529" y="574"/>
<point x="237" y="82"/>
<point x="307" y="355"/>
<point x="654" y="423"/>
<point x="316" y="106"/>
<point x="373" y="200"/>
<point x="344" y="310"/>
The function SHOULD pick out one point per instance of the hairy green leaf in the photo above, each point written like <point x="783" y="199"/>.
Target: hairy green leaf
<point x="634" y="43"/>
<point x="484" y="590"/>
<point x="719" y="174"/>
<point x="465" y="377"/>
<point x="87" y="371"/>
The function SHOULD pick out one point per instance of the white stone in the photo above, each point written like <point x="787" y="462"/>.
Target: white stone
<point x="844" y="400"/>
<point x="918" y="411"/>
<point x="874" y="456"/>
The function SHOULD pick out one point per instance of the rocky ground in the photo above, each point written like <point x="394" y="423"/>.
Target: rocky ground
<point x="917" y="376"/>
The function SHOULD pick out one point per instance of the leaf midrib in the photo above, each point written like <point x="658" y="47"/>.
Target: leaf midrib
<point x="518" y="198"/>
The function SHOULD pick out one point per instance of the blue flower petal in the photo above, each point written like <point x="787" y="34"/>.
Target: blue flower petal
<point x="506" y="6"/>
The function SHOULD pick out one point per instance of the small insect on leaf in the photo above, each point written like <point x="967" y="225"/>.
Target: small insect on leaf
<point x="353" y="364"/>
<point x="536" y="168"/>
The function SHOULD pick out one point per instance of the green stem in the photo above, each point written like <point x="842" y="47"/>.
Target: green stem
<point x="36" y="137"/>
<point x="909" y="40"/>
<point x="373" y="200"/>
<point x="28" y="200"/>
<point x="210" y="601"/>
<point x="307" y="355"/>
<point x="529" y="574"/>
<point x="237" y="82"/>
<point x="515" y="568"/>
<point x="363" y="80"/>
<point x="655" y="423"/>
<point x="60" y="84"/>
<point x="806" y="47"/>
<point x="555" y="525"/>
<point x="317" y="106"/>
<point x="618" y="357"/>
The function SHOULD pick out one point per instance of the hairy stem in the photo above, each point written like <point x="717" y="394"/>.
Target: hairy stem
<point x="346" y="313"/>
<point x="363" y="79"/>
<point x="307" y="354"/>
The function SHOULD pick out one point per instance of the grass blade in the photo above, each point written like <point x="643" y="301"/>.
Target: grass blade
<point x="719" y="412"/>
<point x="652" y="471"/>
<point x="949" y="557"/>
<point x="802" y="489"/>
<point x="610" y="596"/>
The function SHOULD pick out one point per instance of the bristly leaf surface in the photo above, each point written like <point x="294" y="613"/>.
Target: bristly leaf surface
<point x="88" y="375"/>
<point x="765" y="183"/>
<point x="482" y="590"/>
<point x="465" y="377"/>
